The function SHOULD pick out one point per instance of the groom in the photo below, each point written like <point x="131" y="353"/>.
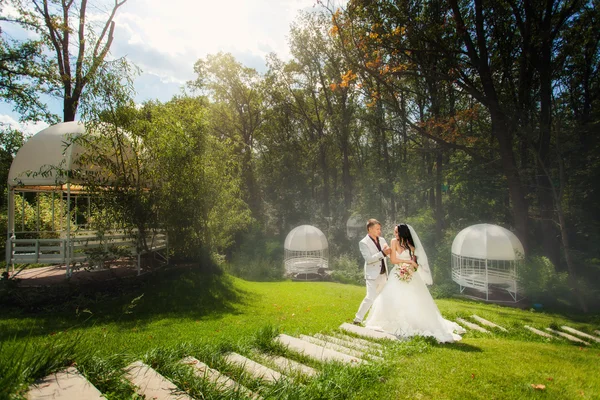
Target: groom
<point x="374" y="249"/>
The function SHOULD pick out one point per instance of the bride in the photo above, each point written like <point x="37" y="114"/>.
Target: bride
<point x="406" y="308"/>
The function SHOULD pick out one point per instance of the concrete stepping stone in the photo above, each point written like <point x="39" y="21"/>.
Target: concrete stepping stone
<point x="541" y="333"/>
<point x="579" y="333"/>
<point x="315" y="351"/>
<point x="289" y="367"/>
<point x="351" y="344"/>
<point x="471" y="325"/>
<point x="332" y="346"/>
<point x="363" y="342"/>
<point x="221" y="381"/>
<point x="597" y="333"/>
<point x="254" y="369"/>
<point x="68" y="384"/>
<point x="488" y="323"/>
<point x="567" y="336"/>
<point x="369" y="333"/>
<point x="151" y="384"/>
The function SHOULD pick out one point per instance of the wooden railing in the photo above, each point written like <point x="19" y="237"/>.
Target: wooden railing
<point x="81" y="247"/>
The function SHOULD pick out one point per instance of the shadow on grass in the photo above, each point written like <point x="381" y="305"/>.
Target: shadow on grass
<point x="187" y="292"/>
<point x="466" y="348"/>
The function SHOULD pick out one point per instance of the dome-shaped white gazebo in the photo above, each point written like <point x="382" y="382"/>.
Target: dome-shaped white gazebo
<point x="306" y="252"/>
<point x="486" y="255"/>
<point x="355" y="227"/>
<point x="55" y="161"/>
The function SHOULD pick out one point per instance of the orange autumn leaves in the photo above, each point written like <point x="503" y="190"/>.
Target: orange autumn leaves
<point x="452" y="129"/>
<point x="346" y="80"/>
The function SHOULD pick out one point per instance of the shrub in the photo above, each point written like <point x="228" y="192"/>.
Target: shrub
<point x="541" y="283"/>
<point x="347" y="269"/>
<point x="258" y="258"/>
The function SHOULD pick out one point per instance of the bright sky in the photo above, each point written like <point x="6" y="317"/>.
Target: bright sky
<point x="165" y="37"/>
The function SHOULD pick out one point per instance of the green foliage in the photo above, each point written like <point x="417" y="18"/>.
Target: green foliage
<point x="197" y="178"/>
<point x="26" y="217"/>
<point x="257" y="258"/>
<point x="347" y="269"/>
<point x="25" y="73"/>
<point x="541" y="283"/>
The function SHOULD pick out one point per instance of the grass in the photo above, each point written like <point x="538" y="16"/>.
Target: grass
<point x="185" y="312"/>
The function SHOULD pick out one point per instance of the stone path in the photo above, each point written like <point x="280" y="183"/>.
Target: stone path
<point x="538" y="332"/>
<point x="289" y="367"/>
<point x="151" y="384"/>
<point x="364" y="332"/>
<point x="471" y="325"/>
<point x="315" y="351"/>
<point x="363" y="342"/>
<point x="579" y="333"/>
<point x="64" y="385"/>
<point x="333" y="346"/>
<point x="221" y="381"/>
<point x="349" y="343"/>
<point x="254" y="369"/>
<point x="488" y="323"/>
<point x="567" y="336"/>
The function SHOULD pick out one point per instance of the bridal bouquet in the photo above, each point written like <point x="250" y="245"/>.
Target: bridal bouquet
<point x="405" y="272"/>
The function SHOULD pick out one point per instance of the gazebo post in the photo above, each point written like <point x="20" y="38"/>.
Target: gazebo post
<point x="10" y="229"/>
<point x="22" y="212"/>
<point x="487" y="283"/>
<point x="53" y="227"/>
<point x="68" y="255"/>
<point x="515" y="277"/>
<point x="37" y="212"/>
<point x="62" y="208"/>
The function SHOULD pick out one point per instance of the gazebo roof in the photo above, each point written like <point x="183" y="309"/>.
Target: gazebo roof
<point x="42" y="161"/>
<point x="356" y="221"/>
<point x="44" y="151"/>
<point x="487" y="241"/>
<point x="306" y="238"/>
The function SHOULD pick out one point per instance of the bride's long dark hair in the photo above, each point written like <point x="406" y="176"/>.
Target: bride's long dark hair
<point x="405" y="237"/>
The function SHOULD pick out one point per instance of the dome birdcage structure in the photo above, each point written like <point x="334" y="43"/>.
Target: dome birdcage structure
<point x="306" y="253"/>
<point x="56" y="163"/>
<point x="355" y="227"/>
<point x="486" y="256"/>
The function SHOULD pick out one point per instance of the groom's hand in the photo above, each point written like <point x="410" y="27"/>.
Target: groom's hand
<point x="387" y="251"/>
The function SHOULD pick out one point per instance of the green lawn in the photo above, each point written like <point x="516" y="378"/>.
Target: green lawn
<point x="190" y="313"/>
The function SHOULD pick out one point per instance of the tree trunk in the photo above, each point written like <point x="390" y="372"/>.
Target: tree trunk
<point x="545" y="200"/>
<point x="501" y="130"/>
<point x="439" y="211"/>
<point x="69" y="108"/>
<point x="325" y="199"/>
<point x="346" y="178"/>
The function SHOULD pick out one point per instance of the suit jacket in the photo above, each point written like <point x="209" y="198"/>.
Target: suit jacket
<point x="372" y="256"/>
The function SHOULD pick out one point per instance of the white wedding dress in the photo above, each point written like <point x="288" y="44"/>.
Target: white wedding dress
<point x="407" y="309"/>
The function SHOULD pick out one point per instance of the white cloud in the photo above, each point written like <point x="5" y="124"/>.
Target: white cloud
<point x="165" y="38"/>
<point x="28" y="128"/>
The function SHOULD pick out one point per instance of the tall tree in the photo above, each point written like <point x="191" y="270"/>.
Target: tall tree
<point x="78" y="50"/>
<point x="236" y="112"/>
<point x="24" y="74"/>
